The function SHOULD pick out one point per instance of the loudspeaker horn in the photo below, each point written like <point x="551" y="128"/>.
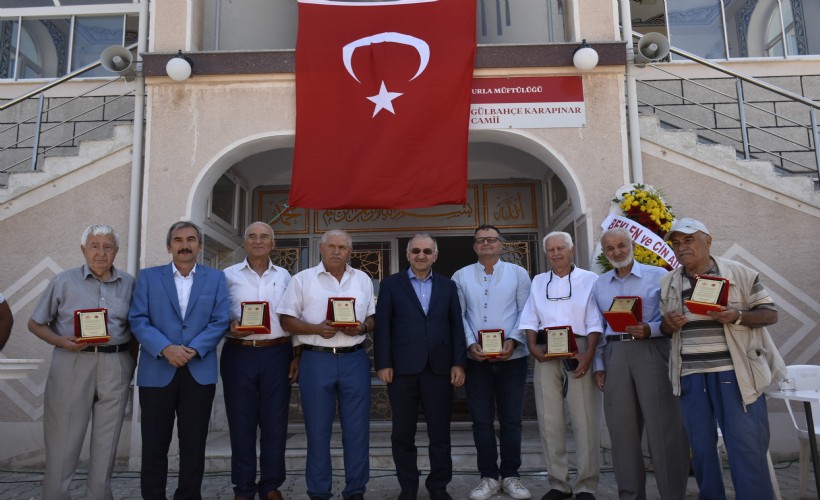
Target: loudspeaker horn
<point x="118" y="59"/>
<point x="652" y="47"/>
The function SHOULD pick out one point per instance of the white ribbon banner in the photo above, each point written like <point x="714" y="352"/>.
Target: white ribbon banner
<point x="643" y="237"/>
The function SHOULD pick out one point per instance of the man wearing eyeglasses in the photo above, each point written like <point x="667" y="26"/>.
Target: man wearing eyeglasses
<point x="85" y="381"/>
<point x="559" y="298"/>
<point x="419" y="352"/>
<point x="631" y="368"/>
<point x="258" y="368"/>
<point x="492" y="294"/>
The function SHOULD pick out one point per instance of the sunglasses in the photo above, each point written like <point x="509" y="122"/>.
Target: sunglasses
<point x="425" y="251"/>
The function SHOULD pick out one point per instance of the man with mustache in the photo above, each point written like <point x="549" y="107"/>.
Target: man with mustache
<point x="631" y="369"/>
<point x="719" y="364"/>
<point x="85" y="381"/>
<point x="179" y="314"/>
<point x="334" y="367"/>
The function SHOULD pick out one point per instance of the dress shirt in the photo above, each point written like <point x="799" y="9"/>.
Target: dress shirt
<point x="306" y="299"/>
<point x="643" y="281"/>
<point x="245" y="285"/>
<point x="422" y="287"/>
<point x="578" y="311"/>
<point x="77" y="289"/>
<point x="490" y="301"/>
<point x="2" y="299"/>
<point x="183" y="285"/>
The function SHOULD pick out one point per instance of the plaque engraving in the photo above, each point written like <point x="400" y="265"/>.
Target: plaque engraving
<point x="91" y="326"/>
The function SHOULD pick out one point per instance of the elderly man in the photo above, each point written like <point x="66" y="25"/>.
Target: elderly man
<point x="86" y="381"/>
<point x="492" y="294"/>
<point x="631" y="369"/>
<point x="419" y="352"/>
<point x="563" y="297"/>
<point x="257" y="369"/>
<point x="6" y="321"/>
<point x="334" y="367"/>
<point x="720" y="363"/>
<point x="180" y="312"/>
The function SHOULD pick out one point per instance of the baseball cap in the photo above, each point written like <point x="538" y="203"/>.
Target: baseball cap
<point x="687" y="226"/>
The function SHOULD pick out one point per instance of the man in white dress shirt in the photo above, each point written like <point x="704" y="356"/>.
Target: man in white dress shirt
<point x="334" y="366"/>
<point x="257" y="369"/>
<point x="563" y="297"/>
<point x="492" y="294"/>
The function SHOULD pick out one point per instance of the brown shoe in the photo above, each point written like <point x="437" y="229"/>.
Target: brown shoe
<point x="275" y="495"/>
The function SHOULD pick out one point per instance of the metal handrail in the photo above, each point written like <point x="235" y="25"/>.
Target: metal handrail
<point x="744" y="126"/>
<point x="58" y="81"/>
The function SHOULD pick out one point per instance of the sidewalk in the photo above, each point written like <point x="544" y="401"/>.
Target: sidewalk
<point x="383" y="485"/>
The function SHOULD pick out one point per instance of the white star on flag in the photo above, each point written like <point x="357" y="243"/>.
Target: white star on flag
<point x="384" y="100"/>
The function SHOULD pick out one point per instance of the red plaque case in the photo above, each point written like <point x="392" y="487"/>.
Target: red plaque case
<point x="91" y="326"/>
<point x="624" y="311"/>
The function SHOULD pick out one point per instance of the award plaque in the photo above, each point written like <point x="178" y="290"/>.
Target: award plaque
<point x="255" y="317"/>
<point x="341" y="311"/>
<point x="560" y="342"/>
<point x="91" y="326"/>
<point x="711" y="293"/>
<point x="491" y="341"/>
<point x="624" y="311"/>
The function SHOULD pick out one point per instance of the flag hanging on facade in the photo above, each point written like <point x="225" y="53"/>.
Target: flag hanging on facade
<point x="382" y="103"/>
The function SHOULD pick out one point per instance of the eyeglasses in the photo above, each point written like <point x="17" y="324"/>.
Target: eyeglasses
<point x="492" y="239"/>
<point x="425" y="251"/>
<point x="569" y="278"/>
<point x="259" y="237"/>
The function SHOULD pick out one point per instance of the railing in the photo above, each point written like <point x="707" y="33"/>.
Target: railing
<point x="36" y="122"/>
<point x="789" y="141"/>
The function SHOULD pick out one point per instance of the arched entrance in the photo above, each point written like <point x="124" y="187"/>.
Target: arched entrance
<point x="516" y="182"/>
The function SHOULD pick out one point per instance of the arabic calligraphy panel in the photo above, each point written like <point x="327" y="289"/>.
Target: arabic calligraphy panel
<point x="511" y="205"/>
<point x="271" y="203"/>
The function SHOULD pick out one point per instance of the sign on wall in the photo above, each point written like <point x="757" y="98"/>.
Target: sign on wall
<point x="527" y="102"/>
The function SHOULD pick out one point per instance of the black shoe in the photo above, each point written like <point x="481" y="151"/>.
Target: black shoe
<point x="585" y="495"/>
<point x="357" y="496"/>
<point x="556" y="495"/>
<point x="440" y="495"/>
<point x="407" y="495"/>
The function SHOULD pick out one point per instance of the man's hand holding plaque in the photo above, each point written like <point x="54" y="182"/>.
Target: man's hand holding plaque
<point x="559" y="342"/>
<point x="710" y="293"/>
<point x="255" y="317"/>
<point x="341" y="311"/>
<point x="491" y="342"/>
<point x="91" y="326"/>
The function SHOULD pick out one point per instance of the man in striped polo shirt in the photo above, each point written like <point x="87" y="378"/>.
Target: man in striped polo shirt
<point x="720" y="363"/>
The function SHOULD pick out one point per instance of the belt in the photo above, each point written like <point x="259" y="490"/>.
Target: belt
<point x="258" y="343"/>
<point x="617" y="338"/>
<point x="106" y="348"/>
<point x="334" y="350"/>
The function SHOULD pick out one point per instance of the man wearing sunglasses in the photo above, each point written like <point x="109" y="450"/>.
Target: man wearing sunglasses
<point x="419" y="352"/>
<point x="492" y="294"/>
<point x="559" y="298"/>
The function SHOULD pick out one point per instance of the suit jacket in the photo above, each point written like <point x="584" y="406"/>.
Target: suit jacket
<point x="406" y="339"/>
<point x="156" y="321"/>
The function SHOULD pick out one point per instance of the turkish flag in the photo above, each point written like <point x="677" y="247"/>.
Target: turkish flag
<point x="382" y="103"/>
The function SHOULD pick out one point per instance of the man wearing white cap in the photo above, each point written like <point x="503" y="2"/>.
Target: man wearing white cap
<point x="720" y="363"/>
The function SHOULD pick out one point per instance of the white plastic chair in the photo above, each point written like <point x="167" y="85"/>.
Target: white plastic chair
<point x="806" y="377"/>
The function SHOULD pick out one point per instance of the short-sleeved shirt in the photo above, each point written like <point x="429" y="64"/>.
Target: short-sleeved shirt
<point x="77" y="289"/>
<point x="245" y="285"/>
<point x="306" y="298"/>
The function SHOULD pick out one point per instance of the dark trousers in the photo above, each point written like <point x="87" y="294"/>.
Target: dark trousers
<point x="497" y="386"/>
<point x="257" y="394"/>
<point x="190" y="403"/>
<point x="436" y="395"/>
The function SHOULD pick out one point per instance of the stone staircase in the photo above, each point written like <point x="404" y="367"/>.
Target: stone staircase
<point x="679" y="145"/>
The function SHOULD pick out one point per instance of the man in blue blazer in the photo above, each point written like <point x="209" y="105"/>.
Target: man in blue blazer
<point x="420" y="354"/>
<point x="179" y="313"/>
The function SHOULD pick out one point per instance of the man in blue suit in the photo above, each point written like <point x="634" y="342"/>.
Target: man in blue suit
<point x="420" y="354"/>
<point x="179" y="313"/>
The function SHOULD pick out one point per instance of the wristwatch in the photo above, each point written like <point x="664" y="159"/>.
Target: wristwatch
<point x="739" y="317"/>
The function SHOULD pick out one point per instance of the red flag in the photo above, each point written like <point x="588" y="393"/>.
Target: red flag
<point x="382" y="103"/>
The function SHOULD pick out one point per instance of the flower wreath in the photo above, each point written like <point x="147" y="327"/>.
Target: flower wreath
<point x="646" y="206"/>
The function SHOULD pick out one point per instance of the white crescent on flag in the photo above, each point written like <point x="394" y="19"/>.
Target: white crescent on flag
<point x="420" y="45"/>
